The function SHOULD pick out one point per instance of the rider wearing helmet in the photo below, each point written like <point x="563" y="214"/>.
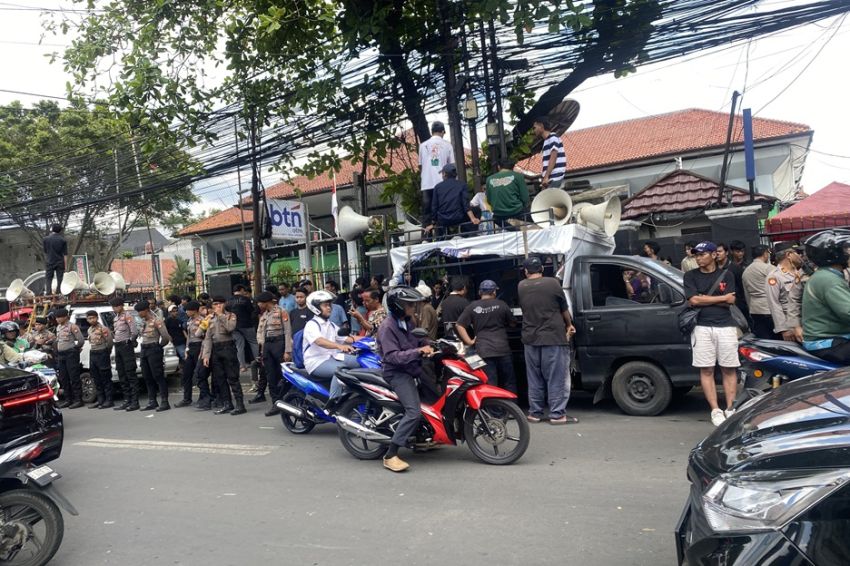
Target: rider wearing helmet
<point x="826" y="299"/>
<point x="8" y="354"/>
<point x="324" y="350"/>
<point x="12" y="336"/>
<point x="402" y="353"/>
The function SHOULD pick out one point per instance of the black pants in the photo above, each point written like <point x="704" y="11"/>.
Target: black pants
<point x="49" y="272"/>
<point x="225" y="372"/>
<point x="68" y="370"/>
<point x="125" y="365"/>
<point x="500" y="372"/>
<point x="190" y="365"/>
<point x="425" y="213"/>
<point x="272" y="357"/>
<point x="153" y="370"/>
<point x="100" y="368"/>
<point x="201" y="378"/>
<point x="404" y="386"/>
<point x="763" y="327"/>
<point x="838" y="353"/>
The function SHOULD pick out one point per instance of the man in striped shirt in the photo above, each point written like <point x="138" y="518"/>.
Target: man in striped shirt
<point x="554" y="157"/>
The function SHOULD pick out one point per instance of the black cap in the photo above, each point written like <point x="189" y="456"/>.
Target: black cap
<point x="437" y="126"/>
<point x="142" y="306"/>
<point x="59" y="313"/>
<point x="785" y="246"/>
<point x="218" y="299"/>
<point x="91" y="313"/>
<point x="449" y="169"/>
<point x="193" y="306"/>
<point x="533" y="264"/>
<point x="41" y="320"/>
<point x="116" y="301"/>
<point x="265" y="297"/>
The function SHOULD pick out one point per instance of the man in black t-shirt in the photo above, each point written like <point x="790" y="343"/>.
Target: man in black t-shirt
<point x="299" y="316"/>
<point x="55" y="258"/>
<point x="451" y="307"/>
<point x="490" y="317"/>
<point x="715" y="339"/>
<point x="247" y="317"/>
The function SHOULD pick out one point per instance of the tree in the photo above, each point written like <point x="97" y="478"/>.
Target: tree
<point x="182" y="276"/>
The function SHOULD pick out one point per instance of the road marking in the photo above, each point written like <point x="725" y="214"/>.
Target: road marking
<point x="196" y="447"/>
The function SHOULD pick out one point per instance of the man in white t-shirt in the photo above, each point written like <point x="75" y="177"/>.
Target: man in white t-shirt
<point x="434" y="154"/>
<point x="324" y="350"/>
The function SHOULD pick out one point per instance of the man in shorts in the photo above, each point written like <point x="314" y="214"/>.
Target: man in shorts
<point x="711" y="290"/>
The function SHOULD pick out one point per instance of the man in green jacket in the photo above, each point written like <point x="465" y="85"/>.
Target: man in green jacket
<point x="507" y="193"/>
<point x="826" y="298"/>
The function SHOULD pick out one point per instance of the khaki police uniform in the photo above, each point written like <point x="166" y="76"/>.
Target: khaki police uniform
<point x="125" y="334"/>
<point x="219" y="351"/>
<point x="100" y="365"/>
<point x="274" y="335"/>
<point x="784" y="299"/>
<point x="69" y="342"/>
<point x="154" y="337"/>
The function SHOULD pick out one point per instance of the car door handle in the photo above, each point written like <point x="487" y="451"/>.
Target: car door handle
<point x="594" y="317"/>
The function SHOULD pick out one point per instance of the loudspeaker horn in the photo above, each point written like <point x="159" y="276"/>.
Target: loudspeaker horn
<point x="352" y="225"/>
<point x="551" y="199"/>
<point x="577" y="207"/>
<point x="102" y="283"/>
<point x="412" y="232"/>
<point x="120" y="284"/>
<point x="71" y="282"/>
<point x="604" y="217"/>
<point x="17" y="290"/>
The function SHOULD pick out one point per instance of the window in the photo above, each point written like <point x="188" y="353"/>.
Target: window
<point x="619" y="286"/>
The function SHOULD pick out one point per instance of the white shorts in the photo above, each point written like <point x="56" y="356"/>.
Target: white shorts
<point x="715" y="346"/>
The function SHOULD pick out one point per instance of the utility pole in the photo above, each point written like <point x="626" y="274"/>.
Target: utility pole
<point x="452" y="95"/>
<point x="492" y="150"/>
<point x="470" y="112"/>
<point x="239" y="185"/>
<point x="497" y="90"/>
<point x="256" y="233"/>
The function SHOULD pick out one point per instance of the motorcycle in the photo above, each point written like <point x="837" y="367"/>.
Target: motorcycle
<point x="31" y="524"/>
<point x="486" y="417"/>
<point x="306" y="403"/>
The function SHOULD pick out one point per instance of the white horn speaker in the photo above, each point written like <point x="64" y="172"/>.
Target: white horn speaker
<point x="71" y="282"/>
<point x="352" y="225"/>
<point x="102" y="283"/>
<point x="412" y="232"/>
<point x="120" y="284"/>
<point x="604" y="217"/>
<point x="556" y="200"/>
<point x="17" y="290"/>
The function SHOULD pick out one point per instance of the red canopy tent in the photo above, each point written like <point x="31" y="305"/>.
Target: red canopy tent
<point x="827" y="208"/>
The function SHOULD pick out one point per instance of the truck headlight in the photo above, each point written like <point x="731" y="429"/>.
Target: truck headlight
<point x="764" y="501"/>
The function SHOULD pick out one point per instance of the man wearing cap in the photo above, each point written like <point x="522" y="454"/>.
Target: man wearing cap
<point x="154" y="338"/>
<point x="100" y="366"/>
<point x="69" y="342"/>
<point x="124" y="336"/>
<point x="785" y="292"/>
<point x="219" y="353"/>
<point x="434" y="154"/>
<point x="489" y="318"/>
<point x="450" y="203"/>
<point x="714" y="340"/>
<point x="274" y="335"/>
<point x="507" y="193"/>
<point x="755" y="287"/>
<point x="194" y="341"/>
<point x="546" y="332"/>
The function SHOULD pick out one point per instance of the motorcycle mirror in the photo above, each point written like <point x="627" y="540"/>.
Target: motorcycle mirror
<point x="344" y="330"/>
<point x="420" y="332"/>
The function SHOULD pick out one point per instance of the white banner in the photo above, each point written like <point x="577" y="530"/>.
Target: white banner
<point x="287" y="219"/>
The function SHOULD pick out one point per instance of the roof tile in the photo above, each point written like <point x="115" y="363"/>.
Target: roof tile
<point x="826" y="208"/>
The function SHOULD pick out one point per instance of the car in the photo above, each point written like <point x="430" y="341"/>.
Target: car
<point x="28" y="411"/>
<point x="771" y="485"/>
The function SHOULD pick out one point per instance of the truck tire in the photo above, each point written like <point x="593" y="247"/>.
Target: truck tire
<point x="641" y="389"/>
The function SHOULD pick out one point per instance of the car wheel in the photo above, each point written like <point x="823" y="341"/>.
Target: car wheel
<point x="641" y="389"/>
<point x="89" y="390"/>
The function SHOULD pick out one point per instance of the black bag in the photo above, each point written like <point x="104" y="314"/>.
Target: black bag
<point x="740" y="319"/>
<point x="689" y="315"/>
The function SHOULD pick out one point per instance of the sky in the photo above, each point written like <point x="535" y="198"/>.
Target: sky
<point x="797" y="76"/>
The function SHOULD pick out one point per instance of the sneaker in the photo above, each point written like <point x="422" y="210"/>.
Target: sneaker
<point x="728" y="413"/>
<point x="717" y="417"/>
<point x="395" y="464"/>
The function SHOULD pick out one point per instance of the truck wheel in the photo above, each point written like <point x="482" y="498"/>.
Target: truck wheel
<point x="89" y="389"/>
<point x="641" y="389"/>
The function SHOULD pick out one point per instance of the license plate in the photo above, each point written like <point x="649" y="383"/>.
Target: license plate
<point x="475" y="361"/>
<point x="43" y="475"/>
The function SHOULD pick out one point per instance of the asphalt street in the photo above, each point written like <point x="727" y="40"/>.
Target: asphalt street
<point x="192" y="488"/>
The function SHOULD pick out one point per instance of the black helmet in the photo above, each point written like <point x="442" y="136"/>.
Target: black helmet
<point x="828" y="247"/>
<point x="10" y="326"/>
<point x="401" y="296"/>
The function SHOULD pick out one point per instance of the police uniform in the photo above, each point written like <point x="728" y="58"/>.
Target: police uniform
<point x="42" y="340"/>
<point x="100" y="366"/>
<point x="153" y="337"/>
<point x="69" y="341"/>
<point x="785" y="299"/>
<point x="191" y="364"/>
<point x="274" y="335"/>
<point x="219" y="351"/>
<point x="125" y="333"/>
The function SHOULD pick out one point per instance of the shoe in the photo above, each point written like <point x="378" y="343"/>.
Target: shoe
<point x="164" y="407"/>
<point x="253" y="389"/>
<point x="533" y="419"/>
<point x="183" y="403"/>
<point x="239" y="411"/>
<point x="108" y="405"/>
<point x="132" y="407"/>
<point x="717" y="417"/>
<point x="395" y="464"/>
<point x="216" y="404"/>
<point x="566" y="419"/>
<point x="76" y="405"/>
<point x="122" y="407"/>
<point x="95" y="406"/>
<point x="257" y="399"/>
<point x="201" y="406"/>
<point x="273" y="412"/>
<point x="224" y="410"/>
<point x="149" y="407"/>
<point x="64" y="404"/>
<point x="728" y="413"/>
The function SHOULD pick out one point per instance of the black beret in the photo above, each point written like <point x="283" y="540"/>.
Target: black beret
<point x="265" y="297"/>
<point x="193" y="306"/>
<point x="41" y="320"/>
<point x="116" y="301"/>
<point x="219" y="299"/>
<point x="59" y="313"/>
<point x="142" y="306"/>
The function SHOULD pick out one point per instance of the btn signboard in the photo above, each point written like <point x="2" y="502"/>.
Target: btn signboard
<point x="287" y="219"/>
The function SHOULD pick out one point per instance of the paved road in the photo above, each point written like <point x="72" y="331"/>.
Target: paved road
<point x="191" y="488"/>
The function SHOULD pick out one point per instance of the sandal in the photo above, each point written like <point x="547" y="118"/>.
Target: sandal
<point x="566" y="419"/>
<point x="533" y="419"/>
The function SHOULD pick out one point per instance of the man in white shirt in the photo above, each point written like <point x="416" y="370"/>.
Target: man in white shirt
<point x="324" y="350"/>
<point x="434" y="154"/>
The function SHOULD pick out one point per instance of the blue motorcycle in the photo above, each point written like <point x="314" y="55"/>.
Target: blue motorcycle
<point x="306" y="403"/>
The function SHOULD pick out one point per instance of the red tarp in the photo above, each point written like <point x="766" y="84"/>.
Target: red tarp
<point x="827" y="208"/>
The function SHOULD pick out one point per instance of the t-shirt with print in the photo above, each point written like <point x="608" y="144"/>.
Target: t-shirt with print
<point x="434" y="153"/>
<point x="698" y="283"/>
<point x="489" y="318"/>
<point x="542" y="301"/>
<point x="298" y="318"/>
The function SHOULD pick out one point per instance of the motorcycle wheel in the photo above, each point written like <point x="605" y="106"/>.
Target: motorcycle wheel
<point x="359" y="410"/>
<point x="294" y="424"/>
<point x="497" y="433"/>
<point x="37" y="520"/>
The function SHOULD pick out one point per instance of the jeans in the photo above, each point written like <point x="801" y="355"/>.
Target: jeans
<point x="327" y="369"/>
<point x="180" y="350"/>
<point x="500" y="372"/>
<point x="190" y="364"/>
<point x="405" y="388"/>
<point x="547" y="369"/>
<point x="241" y="337"/>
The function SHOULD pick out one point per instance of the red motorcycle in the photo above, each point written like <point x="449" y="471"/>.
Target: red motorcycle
<point x="486" y="417"/>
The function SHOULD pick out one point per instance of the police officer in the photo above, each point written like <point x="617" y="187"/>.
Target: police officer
<point x="154" y="338"/>
<point x="209" y="396"/>
<point x="194" y="343"/>
<point x="125" y="334"/>
<point x="41" y="339"/>
<point x="274" y="335"/>
<point x="219" y="353"/>
<point x="785" y="292"/>
<point x="69" y="342"/>
<point x="100" y="339"/>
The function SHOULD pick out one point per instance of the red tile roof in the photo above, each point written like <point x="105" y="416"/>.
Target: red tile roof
<point x="681" y="191"/>
<point x="137" y="272"/>
<point x="675" y="133"/>
<point x="218" y="221"/>
<point x="826" y="208"/>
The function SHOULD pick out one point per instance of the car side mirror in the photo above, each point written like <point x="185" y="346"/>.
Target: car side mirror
<point x="677" y="300"/>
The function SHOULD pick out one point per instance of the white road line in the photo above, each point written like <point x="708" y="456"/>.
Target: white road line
<point x="196" y="447"/>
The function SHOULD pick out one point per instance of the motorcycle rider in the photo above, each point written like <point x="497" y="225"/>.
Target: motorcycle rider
<point x="826" y="299"/>
<point x="8" y="353"/>
<point x="274" y="335"/>
<point x="124" y="337"/>
<point x="402" y="354"/>
<point x="784" y="288"/>
<point x="324" y="350"/>
<point x="69" y="342"/>
<point x="100" y="339"/>
<point x="12" y="336"/>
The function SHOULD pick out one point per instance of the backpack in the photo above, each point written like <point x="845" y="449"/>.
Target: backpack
<point x="297" y="349"/>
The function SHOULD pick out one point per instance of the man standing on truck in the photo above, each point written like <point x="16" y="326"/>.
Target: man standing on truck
<point x="546" y="332"/>
<point x="554" y="157"/>
<point x="507" y="193"/>
<point x="714" y="340"/>
<point x="434" y="154"/>
<point x="449" y="205"/>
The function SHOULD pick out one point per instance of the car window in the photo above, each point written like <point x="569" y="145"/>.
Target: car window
<point x="622" y="286"/>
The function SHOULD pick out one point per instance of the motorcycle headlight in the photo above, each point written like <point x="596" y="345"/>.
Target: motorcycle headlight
<point x="764" y="501"/>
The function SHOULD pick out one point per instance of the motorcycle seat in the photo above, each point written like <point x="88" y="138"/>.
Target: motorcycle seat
<point x="783" y="347"/>
<point x="368" y="376"/>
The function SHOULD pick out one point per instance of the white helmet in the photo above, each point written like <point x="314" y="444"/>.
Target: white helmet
<point x="316" y="298"/>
